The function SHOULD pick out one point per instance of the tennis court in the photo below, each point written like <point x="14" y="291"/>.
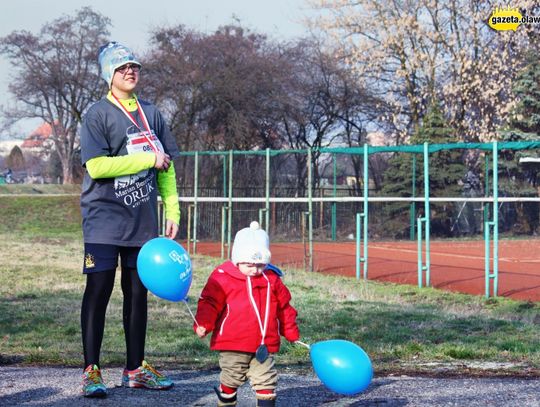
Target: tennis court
<point x="455" y="266"/>
<point x="313" y="223"/>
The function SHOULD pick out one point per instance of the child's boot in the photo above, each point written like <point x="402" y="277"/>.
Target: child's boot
<point x="266" y="398"/>
<point x="225" y="399"/>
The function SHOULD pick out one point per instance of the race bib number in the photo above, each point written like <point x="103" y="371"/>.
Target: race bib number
<point x="138" y="143"/>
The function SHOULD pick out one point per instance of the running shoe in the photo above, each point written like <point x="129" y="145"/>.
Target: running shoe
<point x="92" y="383"/>
<point x="146" y="376"/>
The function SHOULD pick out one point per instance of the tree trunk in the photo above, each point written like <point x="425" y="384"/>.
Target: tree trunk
<point x="67" y="172"/>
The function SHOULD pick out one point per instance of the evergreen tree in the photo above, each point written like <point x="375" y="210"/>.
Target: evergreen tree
<point x="515" y="178"/>
<point x="15" y="160"/>
<point x="525" y="118"/>
<point x="446" y="169"/>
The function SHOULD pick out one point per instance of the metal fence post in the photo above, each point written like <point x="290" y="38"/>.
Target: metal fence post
<point x="310" y="209"/>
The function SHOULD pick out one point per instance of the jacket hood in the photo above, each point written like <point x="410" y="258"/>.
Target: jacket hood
<point x="229" y="268"/>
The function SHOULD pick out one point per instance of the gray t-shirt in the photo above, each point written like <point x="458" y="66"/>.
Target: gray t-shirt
<point x="123" y="210"/>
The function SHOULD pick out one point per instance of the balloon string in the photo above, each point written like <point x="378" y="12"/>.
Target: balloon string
<point x="190" y="313"/>
<point x="303" y="344"/>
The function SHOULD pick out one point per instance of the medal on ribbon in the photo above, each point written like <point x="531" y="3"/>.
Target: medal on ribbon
<point x="262" y="351"/>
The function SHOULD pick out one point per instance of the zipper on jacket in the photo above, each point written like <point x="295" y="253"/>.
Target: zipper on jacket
<point x="223" y="322"/>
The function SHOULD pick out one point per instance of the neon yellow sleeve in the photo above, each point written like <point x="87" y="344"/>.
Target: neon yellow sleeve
<point x="109" y="167"/>
<point x="166" y="181"/>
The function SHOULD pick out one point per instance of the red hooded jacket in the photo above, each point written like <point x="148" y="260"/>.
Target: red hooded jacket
<point x="226" y="309"/>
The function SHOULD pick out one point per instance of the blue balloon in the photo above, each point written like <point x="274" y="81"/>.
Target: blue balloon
<point x="342" y="366"/>
<point x="165" y="269"/>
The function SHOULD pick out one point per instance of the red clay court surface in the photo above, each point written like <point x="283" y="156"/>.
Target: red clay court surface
<point x="455" y="266"/>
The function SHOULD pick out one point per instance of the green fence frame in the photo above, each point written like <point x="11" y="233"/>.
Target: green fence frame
<point x="362" y="222"/>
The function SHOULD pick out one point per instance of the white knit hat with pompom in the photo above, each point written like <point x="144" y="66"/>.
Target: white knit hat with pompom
<point x="251" y="245"/>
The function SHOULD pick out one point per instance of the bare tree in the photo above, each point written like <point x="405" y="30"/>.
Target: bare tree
<point x="308" y="113"/>
<point x="325" y="105"/>
<point x="413" y="52"/>
<point x="218" y="90"/>
<point x="234" y="89"/>
<point x="56" y="77"/>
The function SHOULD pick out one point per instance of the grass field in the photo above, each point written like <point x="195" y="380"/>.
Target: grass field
<point x="404" y="329"/>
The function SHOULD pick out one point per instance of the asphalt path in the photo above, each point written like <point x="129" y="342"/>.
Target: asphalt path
<point x="54" y="386"/>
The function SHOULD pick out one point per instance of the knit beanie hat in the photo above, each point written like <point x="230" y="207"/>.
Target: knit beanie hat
<point x="251" y="245"/>
<point x="112" y="56"/>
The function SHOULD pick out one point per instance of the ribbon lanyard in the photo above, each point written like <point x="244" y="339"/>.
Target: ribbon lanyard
<point x="261" y="326"/>
<point x="148" y="133"/>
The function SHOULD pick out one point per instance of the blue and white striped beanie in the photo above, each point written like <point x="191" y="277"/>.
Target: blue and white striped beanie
<point x="112" y="56"/>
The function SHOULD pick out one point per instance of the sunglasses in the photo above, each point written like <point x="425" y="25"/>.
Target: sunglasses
<point x="124" y="68"/>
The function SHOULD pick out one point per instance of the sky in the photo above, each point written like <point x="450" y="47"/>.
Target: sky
<point x="132" y="21"/>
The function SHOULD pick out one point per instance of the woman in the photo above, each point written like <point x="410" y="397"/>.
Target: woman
<point x="127" y="150"/>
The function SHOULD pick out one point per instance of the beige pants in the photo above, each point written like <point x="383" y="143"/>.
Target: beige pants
<point x="238" y="367"/>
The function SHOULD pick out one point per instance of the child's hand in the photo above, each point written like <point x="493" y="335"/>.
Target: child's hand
<point x="200" y="331"/>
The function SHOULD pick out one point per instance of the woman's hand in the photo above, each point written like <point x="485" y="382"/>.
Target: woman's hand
<point x="162" y="161"/>
<point x="171" y="229"/>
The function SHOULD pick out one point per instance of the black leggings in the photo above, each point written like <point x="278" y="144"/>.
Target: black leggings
<point x="96" y="297"/>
